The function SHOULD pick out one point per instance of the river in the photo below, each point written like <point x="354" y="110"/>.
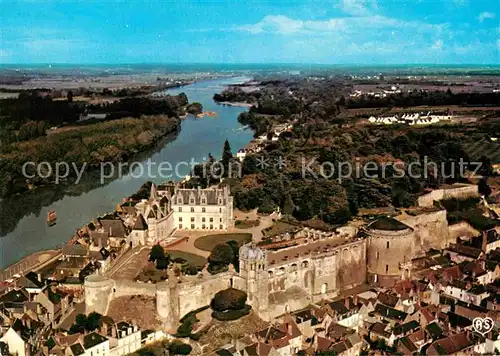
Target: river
<point x="23" y="228"/>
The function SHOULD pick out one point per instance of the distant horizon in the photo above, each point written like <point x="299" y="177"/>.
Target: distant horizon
<point x="409" y="64"/>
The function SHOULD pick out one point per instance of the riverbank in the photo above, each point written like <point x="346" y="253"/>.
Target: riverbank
<point x="237" y="104"/>
<point x="77" y="204"/>
<point x="84" y="147"/>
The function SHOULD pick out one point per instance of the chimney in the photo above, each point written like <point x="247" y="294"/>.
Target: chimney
<point x="346" y="302"/>
<point x="113" y="331"/>
<point x="129" y="330"/>
<point x="355" y="300"/>
<point x="289" y="328"/>
<point x="485" y="241"/>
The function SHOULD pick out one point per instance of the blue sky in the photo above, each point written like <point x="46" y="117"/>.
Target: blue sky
<point x="252" y="31"/>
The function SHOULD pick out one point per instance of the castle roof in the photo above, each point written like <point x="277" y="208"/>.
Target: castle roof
<point x="211" y="196"/>
<point x="250" y="251"/>
<point x="140" y="223"/>
<point x="388" y="224"/>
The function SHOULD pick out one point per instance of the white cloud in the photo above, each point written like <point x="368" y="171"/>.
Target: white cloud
<point x="438" y="44"/>
<point x="358" y="7"/>
<point x="275" y="23"/>
<point x="283" y="25"/>
<point x="486" y="15"/>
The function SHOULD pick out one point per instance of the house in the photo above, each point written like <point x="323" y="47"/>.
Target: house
<point x="285" y="338"/>
<point x="54" y="304"/>
<point x="13" y="301"/>
<point x="390" y="315"/>
<point x="31" y="282"/>
<point x="114" y="228"/>
<point x="95" y="344"/>
<point x="124" y="338"/>
<point x="18" y="338"/>
<point x="348" y="312"/>
<point x="457" y="344"/>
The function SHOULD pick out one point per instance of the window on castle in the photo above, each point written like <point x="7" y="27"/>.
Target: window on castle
<point x="180" y="209"/>
<point x="192" y="210"/>
<point x="387" y="244"/>
<point x="203" y="210"/>
<point x="192" y="219"/>
<point x="191" y="201"/>
<point x="203" y="226"/>
<point x="203" y="219"/>
<point x="378" y="255"/>
<point x="220" y="210"/>
<point x="211" y="227"/>
<point x="220" y="201"/>
<point x="192" y="226"/>
<point x="386" y="268"/>
<point x="221" y="227"/>
<point x="180" y="219"/>
<point x="203" y="201"/>
<point x="211" y="219"/>
<point x="180" y="226"/>
<point x="220" y="219"/>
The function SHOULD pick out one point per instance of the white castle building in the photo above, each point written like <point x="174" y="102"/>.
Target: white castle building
<point x="170" y="208"/>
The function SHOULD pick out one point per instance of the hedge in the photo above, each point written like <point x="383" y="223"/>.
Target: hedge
<point x="232" y="314"/>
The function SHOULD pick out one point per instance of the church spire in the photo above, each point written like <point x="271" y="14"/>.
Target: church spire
<point x="153" y="195"/>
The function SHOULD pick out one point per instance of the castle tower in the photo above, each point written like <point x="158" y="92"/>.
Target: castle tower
<point x="389" y="251"/>
<point x="139" y="232"/>
<point x="167" y="303"/>
<point x="98" y="290"/>
<point x="253" y="269"/>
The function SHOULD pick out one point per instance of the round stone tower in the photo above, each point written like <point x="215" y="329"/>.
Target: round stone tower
<point x="389" y="251"/>
<point x="98" y="290"/>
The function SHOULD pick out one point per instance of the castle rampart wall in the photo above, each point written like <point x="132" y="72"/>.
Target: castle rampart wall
<point x="431" y="230"/>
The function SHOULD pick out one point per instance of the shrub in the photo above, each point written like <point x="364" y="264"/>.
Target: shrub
<point x="177" y="347"/>
<point x="228" y="299"/>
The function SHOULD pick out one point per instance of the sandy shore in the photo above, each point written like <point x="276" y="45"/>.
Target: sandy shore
<point x="240" y="104"/>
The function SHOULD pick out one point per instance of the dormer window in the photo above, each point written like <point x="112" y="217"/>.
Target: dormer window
<point x="203" y="201"/>
<point x="179" y="200"/>
<point x="220" y="201"/>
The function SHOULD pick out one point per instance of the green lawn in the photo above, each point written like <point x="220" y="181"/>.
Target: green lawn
<point x="278" y="228"/>
<point x="192" y="259"/>
<point x="207" y="242"/>
<point x="246" y="224"/>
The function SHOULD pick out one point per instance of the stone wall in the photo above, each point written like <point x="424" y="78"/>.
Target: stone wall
<point x="457" y="191"/>
<point x="461" y="229"/>
<point x="431" y="230"/>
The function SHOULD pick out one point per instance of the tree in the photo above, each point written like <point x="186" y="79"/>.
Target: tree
<point x="236" y="253"/>
<point x="69" y="96"/>
<point x="163" y="262"/>
<point x="227" y="156"/>
<point x="85" y="323"/>
<point x="483" y="187"/>
<point x="156" y="253"/>
<point x="222" y="254"/>
<point x="229" y="299"/>
<point x="94" y="321"/>
<point x="288" y="206"/>
<point x="177" y="347"/>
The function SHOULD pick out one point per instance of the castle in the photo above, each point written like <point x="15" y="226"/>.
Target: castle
<point x="320" y="266"/>
<point x="170" y="208"/>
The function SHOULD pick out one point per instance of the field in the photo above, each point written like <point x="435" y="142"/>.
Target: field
<point x="207" y="242"/>
<point x="280" y="227"/>
<point x="486" y="148"/>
